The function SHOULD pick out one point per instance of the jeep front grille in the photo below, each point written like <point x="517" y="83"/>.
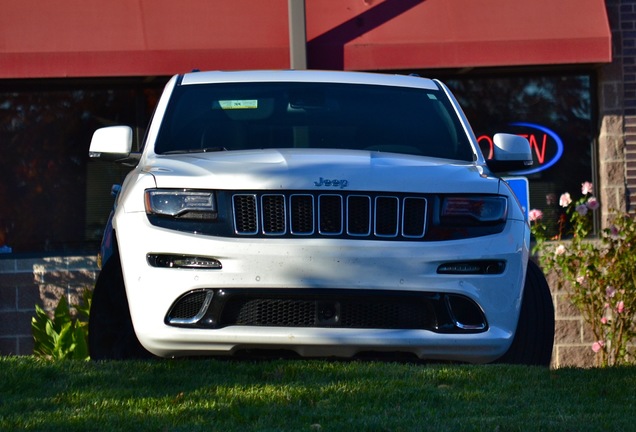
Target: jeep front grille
<point x="329" y="214"/>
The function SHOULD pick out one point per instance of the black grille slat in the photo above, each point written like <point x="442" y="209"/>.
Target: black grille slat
<point x="330" y="214"/>
<point x="414" y="219"/>
<point x="385" y="314"/>
<point x="352" y="215"/>
<point x="270" y="312"/>
<point x="359" y="215"/>
<point x="386" y="216"/>
<point x="273" y="214"/>
<point x="280" y="312"/>
<point x="302" y="214"/>
<point x="245" y="216"/>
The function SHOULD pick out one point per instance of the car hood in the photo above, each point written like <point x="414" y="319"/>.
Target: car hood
<point x="313" y="169"/>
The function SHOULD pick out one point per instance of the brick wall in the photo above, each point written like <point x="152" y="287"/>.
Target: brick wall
<point x="572" y="337"/>
<point x="27" y="282"/>
<point x="617" y="111"/>
<point x="624" y="33"/>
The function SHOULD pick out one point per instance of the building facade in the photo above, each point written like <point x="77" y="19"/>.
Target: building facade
<point x="561" y="73"/>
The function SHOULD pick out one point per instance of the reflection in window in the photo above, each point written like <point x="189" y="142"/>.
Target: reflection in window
<point x="536" y="106"/>
<point x="51" y="198"/>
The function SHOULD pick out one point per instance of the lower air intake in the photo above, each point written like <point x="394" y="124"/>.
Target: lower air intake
<point x="332" y="308"/>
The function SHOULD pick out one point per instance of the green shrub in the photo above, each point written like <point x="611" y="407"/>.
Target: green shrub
<point x="65" y="336"/>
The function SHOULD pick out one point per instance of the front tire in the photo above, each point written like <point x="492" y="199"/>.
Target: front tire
<point x="534" y="338"/>
<point x="111" y="335"/>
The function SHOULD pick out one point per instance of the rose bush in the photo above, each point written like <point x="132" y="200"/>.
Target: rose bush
<point x="601" y="271"/>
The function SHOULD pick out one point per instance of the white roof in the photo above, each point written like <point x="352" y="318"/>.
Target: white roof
<point x="344" y="77"/>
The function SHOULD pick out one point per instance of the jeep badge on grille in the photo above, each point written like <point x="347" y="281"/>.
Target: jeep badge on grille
<point x="333" y="183"/>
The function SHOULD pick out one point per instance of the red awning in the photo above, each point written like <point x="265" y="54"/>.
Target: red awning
<point x="457" y="33"/>
<point x="83" y="38"/>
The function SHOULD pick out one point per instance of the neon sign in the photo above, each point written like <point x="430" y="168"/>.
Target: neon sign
<point x="541" y="139"/>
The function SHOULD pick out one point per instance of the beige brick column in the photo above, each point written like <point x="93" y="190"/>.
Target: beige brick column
<point x="613" y="190"/>
<point x="572" y="337"/>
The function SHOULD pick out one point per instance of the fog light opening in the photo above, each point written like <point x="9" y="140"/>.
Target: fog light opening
<point x="183" y="262"/>
<point x="465" y="313"/>
<point x="190" y="308"/>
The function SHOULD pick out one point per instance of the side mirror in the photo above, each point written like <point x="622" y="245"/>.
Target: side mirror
<point x="113" y="143"/>
<point x="511" y="153"/>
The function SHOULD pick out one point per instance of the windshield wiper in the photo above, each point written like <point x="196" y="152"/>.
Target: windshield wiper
<point x="196" y="150"/>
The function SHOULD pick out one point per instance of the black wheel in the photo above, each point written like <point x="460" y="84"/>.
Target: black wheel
<point x="110" y="331"/>
<point x="534" y="339"/>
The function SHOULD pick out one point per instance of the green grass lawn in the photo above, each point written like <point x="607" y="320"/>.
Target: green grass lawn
<point x="310" y="395"/>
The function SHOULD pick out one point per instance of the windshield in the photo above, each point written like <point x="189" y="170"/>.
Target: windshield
<point x="242" y="116"/>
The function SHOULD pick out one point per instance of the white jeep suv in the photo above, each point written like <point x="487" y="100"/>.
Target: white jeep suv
<point x="322" y="213"/>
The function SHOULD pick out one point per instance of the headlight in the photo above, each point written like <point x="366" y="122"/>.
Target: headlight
<point x="473" y="209"/>
<point x="181" y="203"/>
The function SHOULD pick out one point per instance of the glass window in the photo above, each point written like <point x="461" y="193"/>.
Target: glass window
<point x="554" y="112"/>
<point x="51" y="197"/>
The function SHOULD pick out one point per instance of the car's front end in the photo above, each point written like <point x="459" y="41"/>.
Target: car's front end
<point x="319" y="247"/>
<point x="445" y="259"/>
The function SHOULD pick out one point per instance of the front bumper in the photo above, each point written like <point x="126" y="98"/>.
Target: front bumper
<point x="315" y="264"/>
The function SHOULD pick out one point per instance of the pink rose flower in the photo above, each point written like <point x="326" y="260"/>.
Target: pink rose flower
<point x="587" y="188"/>
<point x="604" y="320"/>
<point x="535" y="215"/>
<point x="597" y="346"/>
<point x="565" y="200"/>
<point x="620" y="306"/>
<point x="560" y="250"/>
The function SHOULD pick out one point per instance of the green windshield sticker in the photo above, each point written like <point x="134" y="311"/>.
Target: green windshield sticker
<point x="432" y="96"/>
<point x="236" y="104"/>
